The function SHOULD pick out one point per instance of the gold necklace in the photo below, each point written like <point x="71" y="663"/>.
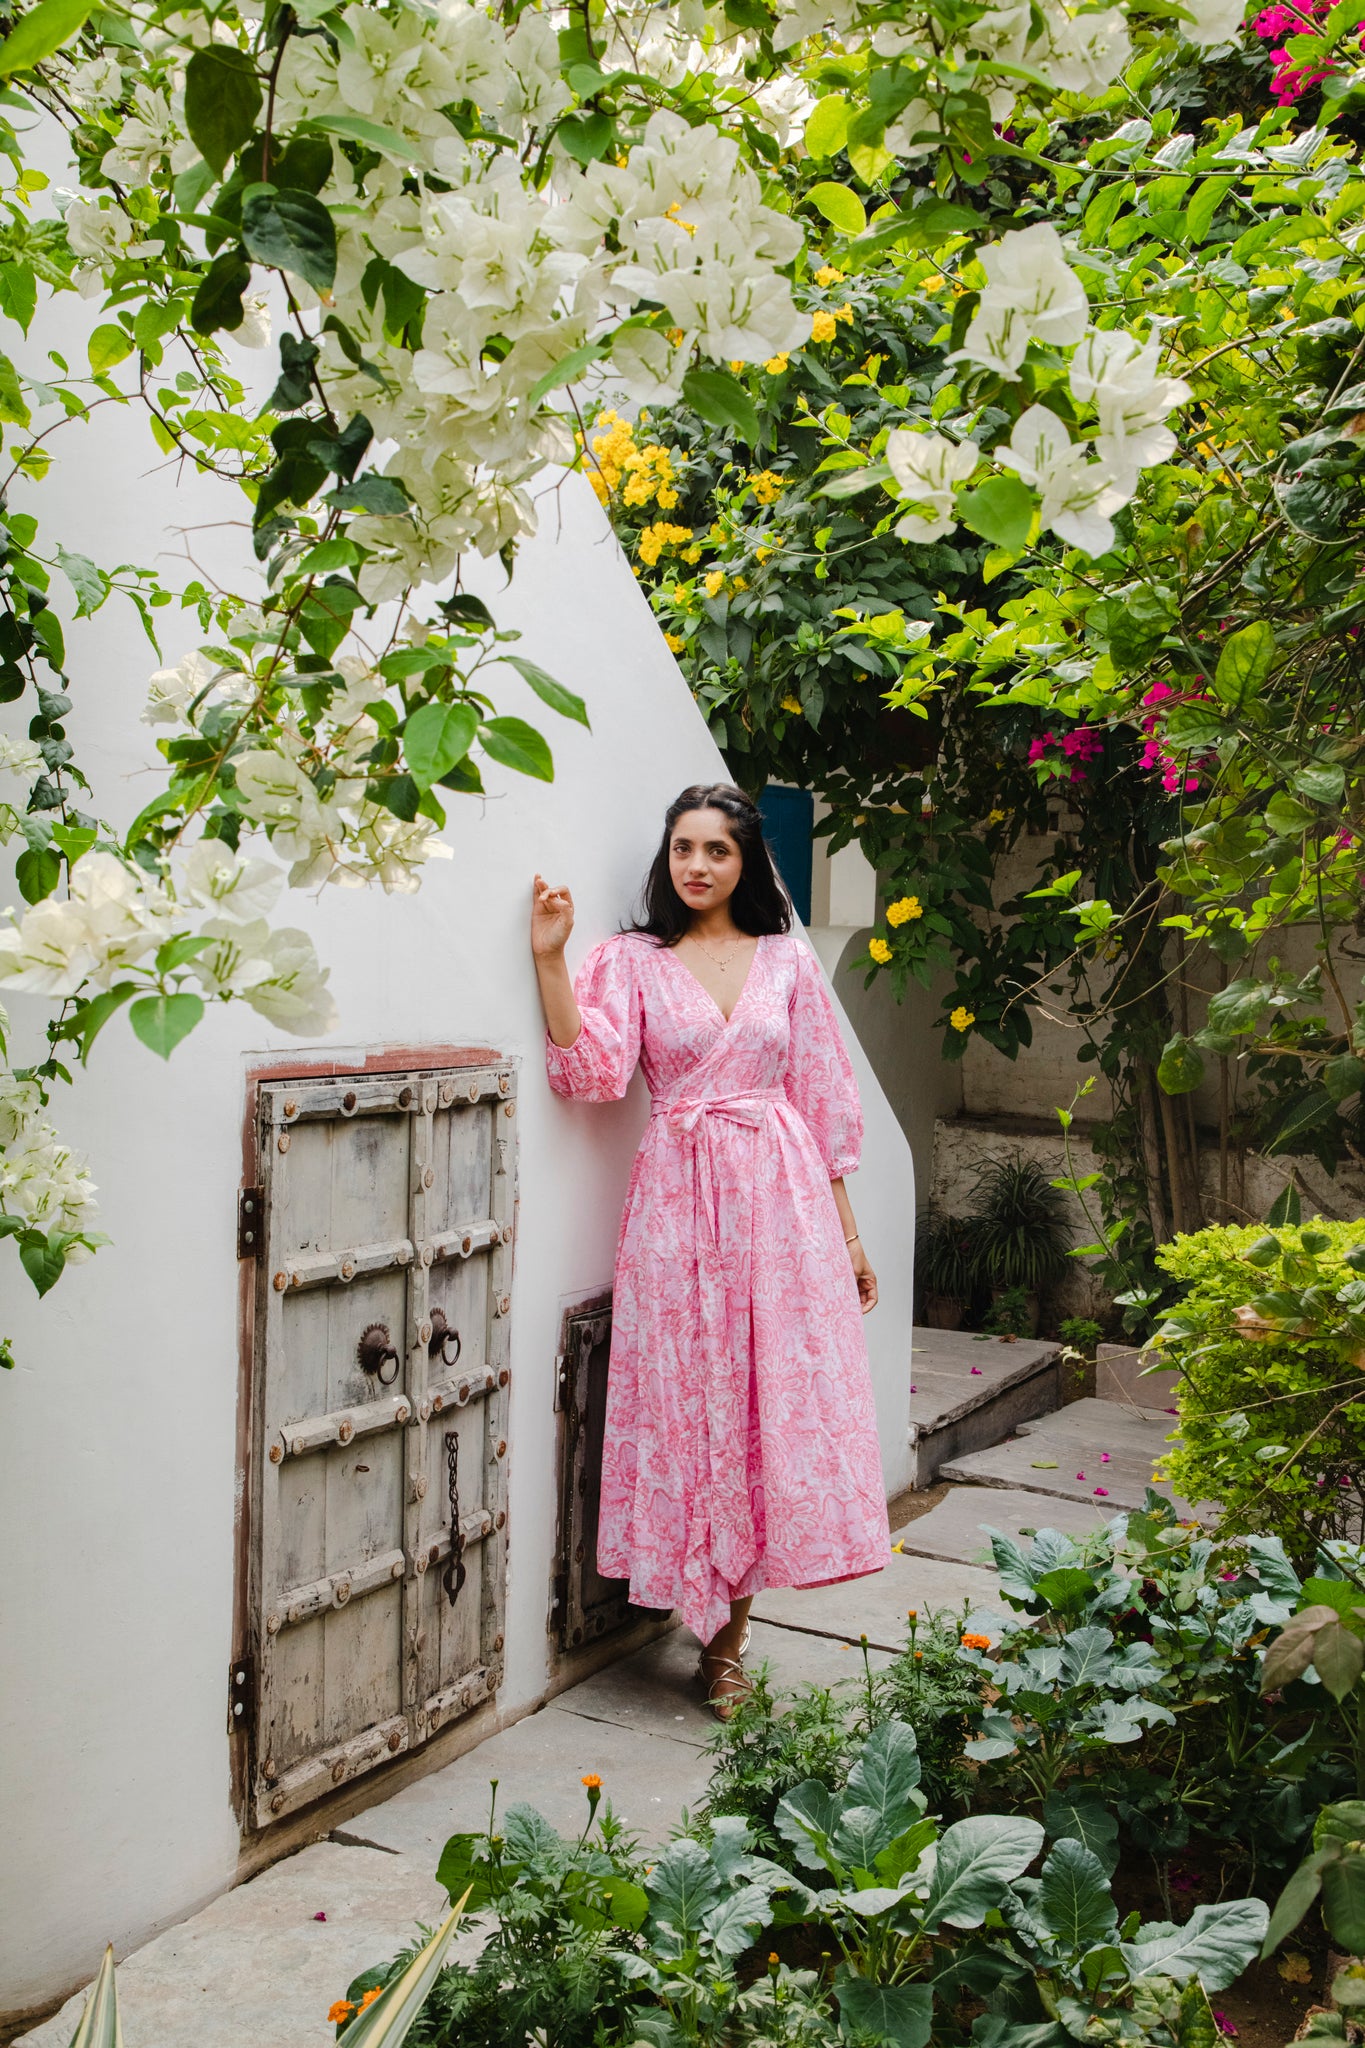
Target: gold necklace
<point x="723" y="964"/>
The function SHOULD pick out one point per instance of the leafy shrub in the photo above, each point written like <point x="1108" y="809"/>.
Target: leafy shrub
<point x="1129" y="1696"/>
<point x="932" y="1689"/>
<point x="1021" y="1232"/>
<point x="762" y="1752"/>
<point x="936" y="1931"/>
<point x="1270" y="1342"/>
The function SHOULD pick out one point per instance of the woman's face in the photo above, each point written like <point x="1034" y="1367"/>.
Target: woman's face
<point x="704" y="859"/>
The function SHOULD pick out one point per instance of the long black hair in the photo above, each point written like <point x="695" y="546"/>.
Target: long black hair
<point x="759" y="904"/>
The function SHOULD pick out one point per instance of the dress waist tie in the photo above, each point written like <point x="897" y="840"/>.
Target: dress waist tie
<point x="723" y="1536"/>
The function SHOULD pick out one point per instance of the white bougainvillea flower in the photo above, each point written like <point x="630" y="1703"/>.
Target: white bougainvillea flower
<point x="1078" y="494"/>
<point x="145" y="138"/>
<point x="1032" y="293"/>
<point x="1212" y="21"/>
<point x="113" y="917"/>
<point x="19" y="757"/>
<point x="1121" y="379"/>
<point x="926" y="466"/>
<point x="234" y="885"/>
<point x="1083" y="52"/>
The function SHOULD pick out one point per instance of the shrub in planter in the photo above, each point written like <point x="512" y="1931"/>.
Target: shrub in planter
<point x="1020" y="1232"/>
<point x="1269" y="1339"/>
<point x="946" y="1268"/>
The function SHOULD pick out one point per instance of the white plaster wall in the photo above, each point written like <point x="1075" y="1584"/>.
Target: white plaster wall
<point x="117" y="1446"/>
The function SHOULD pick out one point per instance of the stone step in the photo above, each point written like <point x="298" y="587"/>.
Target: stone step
<point x="877" y="1606"/>
<point x="1102" y="1423"/>
<point x="968" y="1392"/>
<point x="1065" y="1460"/>
<point x="953" y="1531"/>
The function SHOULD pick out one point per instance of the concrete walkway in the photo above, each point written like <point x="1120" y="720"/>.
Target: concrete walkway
<point x="264" y="1962"/>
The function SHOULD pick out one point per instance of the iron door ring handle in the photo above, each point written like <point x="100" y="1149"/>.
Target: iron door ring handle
<point x="442" y="1337"/>
<point x="376" y="1350"/>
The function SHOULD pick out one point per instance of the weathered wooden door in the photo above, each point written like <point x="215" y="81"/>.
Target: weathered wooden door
<point x="380" y="1402"/>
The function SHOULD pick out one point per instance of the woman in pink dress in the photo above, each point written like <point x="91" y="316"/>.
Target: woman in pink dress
<point x="741" y="1441"/>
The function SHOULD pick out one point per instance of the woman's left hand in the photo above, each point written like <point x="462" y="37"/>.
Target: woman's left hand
<point x="864" y="1275"/>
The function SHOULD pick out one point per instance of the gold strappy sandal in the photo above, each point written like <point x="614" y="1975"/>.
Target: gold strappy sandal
<point x="729" y="1670"/>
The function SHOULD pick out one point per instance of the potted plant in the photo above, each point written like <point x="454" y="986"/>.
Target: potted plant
<point x="946" y="1267"/>
<point x="1019" y="1230"/>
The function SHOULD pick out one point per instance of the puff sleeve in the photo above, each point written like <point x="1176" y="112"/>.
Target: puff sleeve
<point x="598" y="1065"/>
<point x="819" y="1077"/>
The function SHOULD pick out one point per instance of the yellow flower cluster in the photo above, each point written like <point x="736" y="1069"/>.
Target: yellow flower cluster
<point x="775" y="365"/>
<point x="675" y="642"/>
<point x="714" y="580"/>
<point x="962" y="1019"/>
<point x="902" y="911"/>
<point x="845" y="312"/>
<point x="647" y="473"/>
<point x="879" y="950"/>
<point x="659" y="536"/>
<point x="827" y="275"/>
<point x="822" y="327"/>
<point x="767" y="486"/>
<point x="792" y="704"/>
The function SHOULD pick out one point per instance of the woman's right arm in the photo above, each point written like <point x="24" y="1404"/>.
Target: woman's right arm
<point x="551" y="924"/>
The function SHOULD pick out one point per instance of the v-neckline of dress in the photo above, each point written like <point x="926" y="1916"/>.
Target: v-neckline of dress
<point x="726" y="1022"/>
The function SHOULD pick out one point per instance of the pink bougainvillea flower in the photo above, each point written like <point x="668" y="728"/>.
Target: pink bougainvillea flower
<point x="319" y="1916"/>
<point x="1104" y="1457"/>
<point x="976" y="1368"/>
<point x="1080" y="1475"/>
<point x="1103" y="1492"/>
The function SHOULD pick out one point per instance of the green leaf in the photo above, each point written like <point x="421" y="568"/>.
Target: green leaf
<point x="383" y="496"/>
<point x="850" y="482"/>
<point x="43" y="1258"/>
<point x="627" y="1903"/>
<point x="355" y="128"/>
<point x="1102" y="211"/>
<point x="548" y="690"/>
<point x="1240" y="1006"/>
<point x="827" y="127"/>
<point x="1322" y="782"/>
<point x="13" y="406"/>
<point x="517" y="745"/>
<point x="1294" y="1901"/>
<point x="1307" y="1114"/>
<point x="218" y="301"/>
<point x="683" y="1887"/>
<point x="1084" y="1818"/>
<point x="108" y="346"/>
<point x="1338" y="1658"/>
<point x="88" y="582"/>
<point x="1204" y="204"/>
<point x="977" y="1858"/>
<point x="222" y="100"/>
<point x="1000" y="510"/>
<point x="99" y="2024"/>
<point x="567" y="371"/>
<point x="1181" y="1066"/>
<point x="464" y="1873"/>
<point x="37" y="871"/>
<point x="1343" y="1076"/>
<point x="887" y="1771"/>
<point x="840" y="205"/>
<point x="1287" y="817"/>
<point x="389" y="2021"/>
<point x="89" y="1018"/>
<point x="1087" y="1656"/>
<point x="435" y="738"/>
<point x="40" y="32"/>
<point x="921" y="227"/>
<point x="899" y="2013"/>
<point x="1286" y="1207"/>
<point x="1215" y="1944"/>
<point x="1244" y="663"/>
<point x="18" y="293"/>
<point x="162" y="1021"/>
<point x="587" y="137"/>
<point x="721" y="401"/>
<point x="1073" y="1899"/>
<point x="806" y="1819"/>
<point x="289" y="230"/>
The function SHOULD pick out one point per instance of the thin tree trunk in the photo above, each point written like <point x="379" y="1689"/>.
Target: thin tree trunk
<point x="1143" y="1084"/>
<point x="1174" y="1164"/>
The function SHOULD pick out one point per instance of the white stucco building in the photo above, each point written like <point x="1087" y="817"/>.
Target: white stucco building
<point x="161" y="1569"/>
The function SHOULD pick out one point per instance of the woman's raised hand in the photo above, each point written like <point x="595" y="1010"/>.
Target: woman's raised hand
<point x="551" y="919"/>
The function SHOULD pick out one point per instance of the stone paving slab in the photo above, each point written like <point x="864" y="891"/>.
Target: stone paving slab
<point x="952" y="1372"/>
<point x="877" y="1606"/>
<point x="952" y="1531"/>
<point x="1101" y="1424"/>
<point x="1064" y="1468"/>
<point x="539" y="1762"/>
<point x="257" y="1965"/>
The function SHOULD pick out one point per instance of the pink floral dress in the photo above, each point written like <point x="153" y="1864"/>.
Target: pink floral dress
<point x="741" y="1440"/>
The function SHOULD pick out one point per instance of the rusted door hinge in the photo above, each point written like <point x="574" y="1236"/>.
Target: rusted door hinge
<point x="241" y="1695"/>
<point x="250" y="1222"/>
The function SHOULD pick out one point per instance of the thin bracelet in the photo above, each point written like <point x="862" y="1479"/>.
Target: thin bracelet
<point x="853" y="1239"/>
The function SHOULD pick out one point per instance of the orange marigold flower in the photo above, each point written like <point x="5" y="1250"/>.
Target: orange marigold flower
<point x="340" y="2012"/>
<point x="593" y="1782"/>
<point x="972" y="1641"/>
<point x="376" y="1991"/>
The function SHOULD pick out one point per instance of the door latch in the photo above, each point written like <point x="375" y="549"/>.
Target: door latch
<point x="250" y="1223"/>
<point x="241" y="1694"/>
